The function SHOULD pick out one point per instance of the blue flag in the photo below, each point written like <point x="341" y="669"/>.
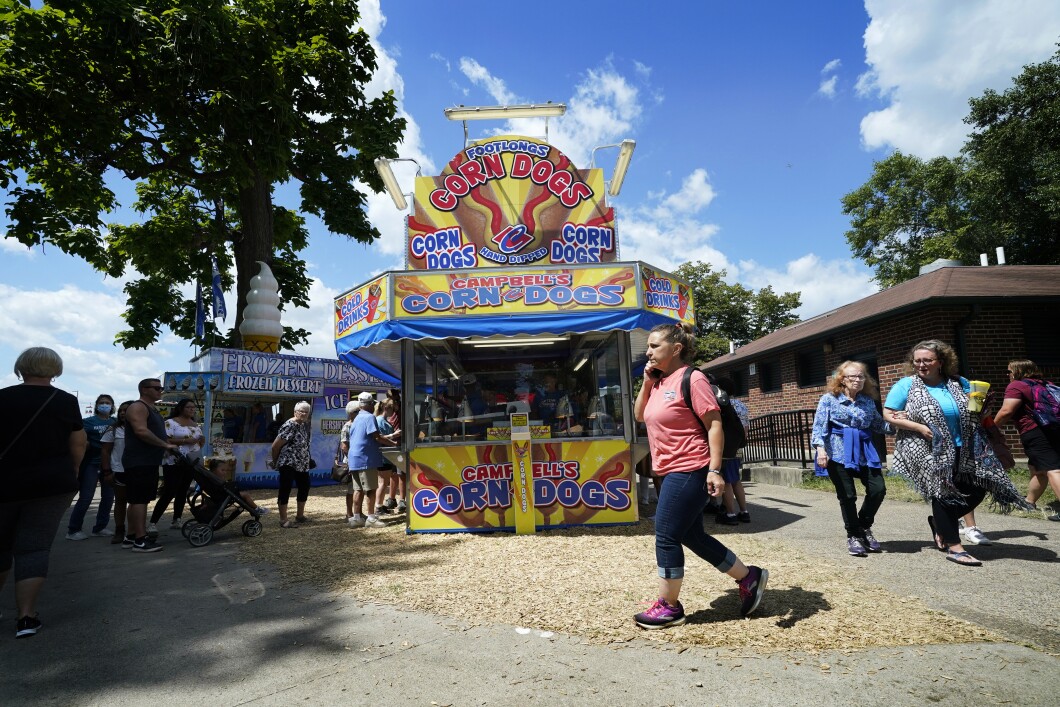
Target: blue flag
<point x="219" y="310"/>
<point x="200" y="312"/>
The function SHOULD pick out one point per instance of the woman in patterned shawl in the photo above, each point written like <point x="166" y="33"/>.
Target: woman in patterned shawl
<point x="941" y="448"/>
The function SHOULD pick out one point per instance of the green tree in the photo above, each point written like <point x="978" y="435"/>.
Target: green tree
<point x="206" y="105"/>
<point x="731" y="312"/>
<point x="1002" y="190"/>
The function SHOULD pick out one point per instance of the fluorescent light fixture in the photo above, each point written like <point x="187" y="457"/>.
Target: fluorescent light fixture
<point x="625" y="154"/>
<point x="382" y="165"/>
<point x="515" y="340"/>
<point x="452" y="372"/>
<point x="579" y="364"/>
<point x="503" y="344"/>
<point x="539" y="110"/>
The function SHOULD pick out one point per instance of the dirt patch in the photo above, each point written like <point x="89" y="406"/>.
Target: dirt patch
<point x="589" y="582"/>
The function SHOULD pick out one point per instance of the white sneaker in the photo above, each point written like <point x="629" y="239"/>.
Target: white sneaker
<point x="975" y="536"/>
<point x="356" y="522"/>
<point x="152" y="529"/>
<point x="105" y="533"/>
<point x="79" y="535"/>
<point x="177" y="523"/>
<point x="374" y="522"/>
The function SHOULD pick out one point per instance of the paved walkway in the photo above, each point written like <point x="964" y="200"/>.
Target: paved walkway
<point x="196" y="626"/>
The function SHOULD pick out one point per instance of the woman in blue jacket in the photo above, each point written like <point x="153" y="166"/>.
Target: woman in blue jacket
<point x="842" y="440"/>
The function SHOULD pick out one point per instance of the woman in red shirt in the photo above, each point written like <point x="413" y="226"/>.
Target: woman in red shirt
<point x="1042" y="444"/>
<point x="688" y="461"/>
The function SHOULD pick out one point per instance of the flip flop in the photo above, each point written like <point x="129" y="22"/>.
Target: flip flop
<point x="936" y="538"/>
<point x="963" y="558"/>
<point x="288" y="525"/>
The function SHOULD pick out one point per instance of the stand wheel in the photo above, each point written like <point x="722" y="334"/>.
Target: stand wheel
<point x="252" y="528"/>
<point x="185" y="529"/>
<point x="200" y="534"/>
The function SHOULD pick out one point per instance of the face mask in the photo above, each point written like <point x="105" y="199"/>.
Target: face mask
<point x="104" y="408"/>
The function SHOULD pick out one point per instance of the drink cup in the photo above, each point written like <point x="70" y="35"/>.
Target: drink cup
<point x="977" y="396"/>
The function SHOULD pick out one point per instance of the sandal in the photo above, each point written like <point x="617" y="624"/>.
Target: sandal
<point x="939" y="544"/>
<point x="301" y="519"/>
<point x="963" y="558"/>
<point x="288" y="524"/>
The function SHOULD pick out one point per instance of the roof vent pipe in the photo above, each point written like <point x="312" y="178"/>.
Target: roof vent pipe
<point x="1000" y="255"/>
<point x="732" y="346"/>
<point x="983" y="260"/>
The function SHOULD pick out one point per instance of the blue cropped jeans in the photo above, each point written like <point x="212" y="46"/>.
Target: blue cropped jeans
<point x="679" y="522"/>
<point x="88" y="477"/>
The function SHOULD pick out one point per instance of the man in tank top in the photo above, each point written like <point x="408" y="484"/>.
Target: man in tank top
<point x="145" y="443"/>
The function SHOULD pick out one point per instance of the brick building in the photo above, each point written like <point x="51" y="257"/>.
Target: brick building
<point x="990" y="315"/>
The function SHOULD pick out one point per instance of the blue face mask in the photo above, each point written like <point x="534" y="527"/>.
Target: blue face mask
<point x="104" y="408"/>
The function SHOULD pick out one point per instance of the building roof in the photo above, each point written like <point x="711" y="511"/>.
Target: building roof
<point x="947" y="285"/>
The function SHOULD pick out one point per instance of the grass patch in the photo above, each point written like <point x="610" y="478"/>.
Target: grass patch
<point x="898" y="489"/>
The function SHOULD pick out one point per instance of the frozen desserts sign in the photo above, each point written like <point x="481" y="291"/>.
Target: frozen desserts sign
<point x="506" y="201"/>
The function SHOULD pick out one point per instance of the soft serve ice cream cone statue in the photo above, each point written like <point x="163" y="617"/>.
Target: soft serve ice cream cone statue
<point x="261" y="328"/>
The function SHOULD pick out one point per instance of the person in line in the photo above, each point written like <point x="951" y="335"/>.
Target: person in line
<point x="42" y="442"/>
<point x="385" y="501"/>
<point x="1042" y="444"/>
<point x="392" y="411"/>
<point x="734" y="495"/>
<point x="113" y="446"/>
<point x="843" y="426"/>
<point x="291" y="458"/>
<point x="145" y="445"/>
<point x="88" y="476"/>
<point x="183" y="430"/>
<point x="940" y="449"/>
<point x="364" y="459"/>
<point x="690" y="463"/>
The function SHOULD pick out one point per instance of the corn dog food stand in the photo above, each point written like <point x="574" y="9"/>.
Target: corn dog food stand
<point x="514" y="331"/>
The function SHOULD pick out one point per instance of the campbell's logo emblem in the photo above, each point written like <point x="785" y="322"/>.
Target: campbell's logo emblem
<point x="512" y="239"/>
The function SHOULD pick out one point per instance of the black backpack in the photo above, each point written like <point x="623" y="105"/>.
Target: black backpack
<point x="735" y="434"/>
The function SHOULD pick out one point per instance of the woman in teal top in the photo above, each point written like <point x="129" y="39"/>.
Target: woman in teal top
<point x="940" y="446"/>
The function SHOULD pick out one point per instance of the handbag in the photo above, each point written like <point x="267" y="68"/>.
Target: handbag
<point x="997" y="442"/>
<point x="340" y="470"/>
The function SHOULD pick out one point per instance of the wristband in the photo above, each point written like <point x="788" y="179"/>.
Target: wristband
<point x="714" y="471"/>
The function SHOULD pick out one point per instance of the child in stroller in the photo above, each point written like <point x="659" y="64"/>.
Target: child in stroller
<point x="215" y="501"/>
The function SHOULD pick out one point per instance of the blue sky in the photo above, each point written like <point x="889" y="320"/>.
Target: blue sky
<point x="752" y="120"/>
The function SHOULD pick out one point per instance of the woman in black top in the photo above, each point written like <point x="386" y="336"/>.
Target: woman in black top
<point x="42" y="441"/>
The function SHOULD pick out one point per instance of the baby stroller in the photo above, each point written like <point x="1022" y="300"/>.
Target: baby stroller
<point x="214" y="503"/>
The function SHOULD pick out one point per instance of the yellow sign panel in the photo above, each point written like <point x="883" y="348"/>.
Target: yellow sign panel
<point x="531" y="291"/>
<point x="361" y="308"/>
<point x="666" y="295"/>
<point x="470" y="488"/>
<point x="510" y="200"/>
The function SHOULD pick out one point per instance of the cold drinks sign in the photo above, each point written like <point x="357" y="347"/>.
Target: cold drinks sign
<point x="508" y="201"/>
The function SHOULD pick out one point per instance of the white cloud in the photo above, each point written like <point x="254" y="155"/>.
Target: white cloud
<point x="643" y="71"/>
<point x="827" y="87"/>
<point x="9" y="246"/>
<point x="831" y="66"/>
<point x="816" y="280"/>
<point x="441" y="59"/>
<point x="480" y="76"/>
<point x="927" y="59"/>
<point x="695" y="195"/>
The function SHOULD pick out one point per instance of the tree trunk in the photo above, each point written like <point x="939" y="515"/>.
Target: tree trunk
<point x="255" y="215"/>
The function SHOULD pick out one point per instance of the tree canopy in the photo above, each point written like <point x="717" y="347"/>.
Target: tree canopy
<point x="731" y="312"/>
<point x="1002" y="190"/>
<point x="206" y="105"/>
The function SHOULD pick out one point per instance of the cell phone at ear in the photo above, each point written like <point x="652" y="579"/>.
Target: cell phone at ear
<point x="655" y="373"/>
